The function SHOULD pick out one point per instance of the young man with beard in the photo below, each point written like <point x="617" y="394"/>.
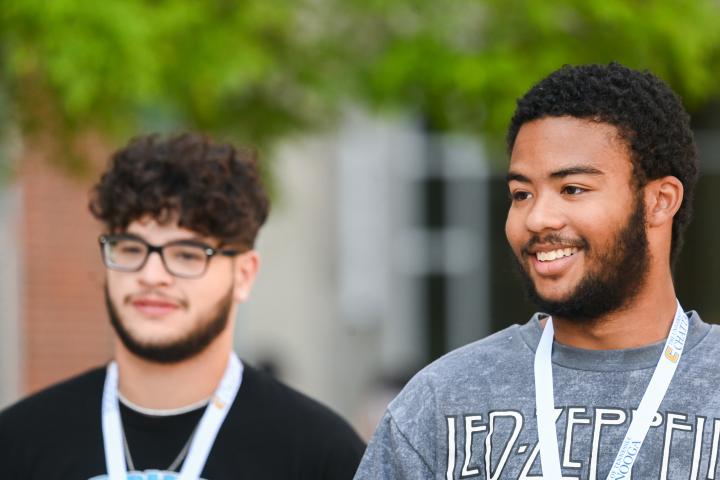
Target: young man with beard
<point x="181" y="215"/>
<point x="614" y="378"/>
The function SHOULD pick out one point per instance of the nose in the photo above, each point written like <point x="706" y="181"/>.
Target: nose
<point x="544" y="214"/>
<point x="154" y="272"/>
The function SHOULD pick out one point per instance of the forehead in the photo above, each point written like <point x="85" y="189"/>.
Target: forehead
<point x="552" y="144"/>
<point x="163" y="230"/>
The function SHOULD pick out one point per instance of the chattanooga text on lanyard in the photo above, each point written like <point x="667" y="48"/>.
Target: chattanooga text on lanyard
<point x="653" y="396"/>
<point x="204" y="438"/>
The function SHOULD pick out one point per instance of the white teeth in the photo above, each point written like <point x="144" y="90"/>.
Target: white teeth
<point x="555" y="254"/>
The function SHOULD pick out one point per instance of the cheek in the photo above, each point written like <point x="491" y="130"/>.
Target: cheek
<point x="201" y="302"/>
<point x="513" y="231"/>
<point x="210" y="291"/>
<point x="599" y="227"/>
<point x="116" y="286"/>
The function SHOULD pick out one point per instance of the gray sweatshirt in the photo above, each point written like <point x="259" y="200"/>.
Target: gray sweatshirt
<point x="471" y="414"/>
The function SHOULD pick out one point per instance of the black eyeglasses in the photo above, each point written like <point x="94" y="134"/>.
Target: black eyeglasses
<point x="181" y="258"/>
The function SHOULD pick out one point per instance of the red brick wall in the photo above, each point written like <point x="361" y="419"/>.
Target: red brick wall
<point x="64" y="328"/>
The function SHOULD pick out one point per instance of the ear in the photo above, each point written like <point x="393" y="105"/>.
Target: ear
<point x="663" y="197"/>
<point x="245" y="270"/>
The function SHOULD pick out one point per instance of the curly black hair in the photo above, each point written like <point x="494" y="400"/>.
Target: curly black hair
<point x="212" y="189"/>
<point x="648" y="115"/>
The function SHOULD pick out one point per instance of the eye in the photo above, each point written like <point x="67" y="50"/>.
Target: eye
<point x="129" y="248"/>
<point x="185" y="253"/>
<point x="519" y="195"/>
<point x="573" y="190"/>
<point x="189" y="255"/>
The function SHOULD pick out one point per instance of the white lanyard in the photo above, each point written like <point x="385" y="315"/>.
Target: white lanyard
<point x="654" y="394"/>
<point x="204" y="437"/>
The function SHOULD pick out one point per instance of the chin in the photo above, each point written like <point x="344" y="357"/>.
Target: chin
<point x="159" y="341"/>
<point x="554" y="294"/>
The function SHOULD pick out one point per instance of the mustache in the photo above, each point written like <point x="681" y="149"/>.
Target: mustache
<point x="554" y="239"/>
<point x="129" y="298"/>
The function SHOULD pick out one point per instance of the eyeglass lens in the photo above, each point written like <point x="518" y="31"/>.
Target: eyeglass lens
<point x="180" y="259"/>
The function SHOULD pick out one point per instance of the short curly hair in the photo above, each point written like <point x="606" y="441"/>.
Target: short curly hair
<point x="648" y="115"/>
<point x="210" y="188"/>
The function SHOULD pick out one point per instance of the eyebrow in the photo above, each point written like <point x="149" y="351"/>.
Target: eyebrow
<point x="565" y="172"/>
<point x="562" y="173"/>
<point x="517" y="177"/>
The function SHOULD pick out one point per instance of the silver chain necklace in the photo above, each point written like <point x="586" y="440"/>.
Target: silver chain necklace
<point x="173" y="466"/>
<point x="183" y="453"/>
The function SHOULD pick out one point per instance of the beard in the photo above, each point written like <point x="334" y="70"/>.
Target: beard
<point x="620" y="272"/>
<point x="192" y="343"/>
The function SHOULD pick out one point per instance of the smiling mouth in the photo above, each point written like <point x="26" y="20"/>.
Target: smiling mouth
<point x="551" y="255"/>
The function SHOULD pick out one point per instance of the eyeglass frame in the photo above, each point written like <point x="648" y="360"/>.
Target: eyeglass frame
<point x="209" y="251"/>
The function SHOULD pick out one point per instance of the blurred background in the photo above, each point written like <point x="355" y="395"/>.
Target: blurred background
<point x="380" y="125"/>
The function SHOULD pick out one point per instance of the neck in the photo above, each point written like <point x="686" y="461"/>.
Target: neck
<point x="643" y="321"/>
<point x="174" y="385"/>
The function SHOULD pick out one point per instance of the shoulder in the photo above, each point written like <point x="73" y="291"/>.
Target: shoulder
<point x="487" y="352"/>
<point x="272" y="400"/>
<point x="76" y="395"/>
<point x="483" y="357"/>
<point x="269" y="394"/>
<point x="447" y="379"/>
<point x="269" y="416"/>
<point x="702" y="337"/>
<point x="51" y="423"/>
<point x="413" y="419"/>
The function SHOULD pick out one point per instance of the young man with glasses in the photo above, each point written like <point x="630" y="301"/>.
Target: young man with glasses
<point x="181" y="216"/>
<point x="614" y="379"/>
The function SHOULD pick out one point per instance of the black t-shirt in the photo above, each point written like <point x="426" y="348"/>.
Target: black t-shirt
<point x="270" y="432"/>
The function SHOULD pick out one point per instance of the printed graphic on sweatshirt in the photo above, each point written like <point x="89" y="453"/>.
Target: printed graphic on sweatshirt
<point x="146" y="475"/>
<point x="497" y="445"/>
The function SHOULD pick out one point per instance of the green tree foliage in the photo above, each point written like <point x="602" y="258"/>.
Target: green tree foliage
<point x="238" y="68"/>
<point x="258" y="69"/>
<point x="461" y="64"/>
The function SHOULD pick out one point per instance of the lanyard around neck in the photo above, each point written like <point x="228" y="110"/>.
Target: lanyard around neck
<point x="203" y="440"/>
<point x="640" y="424"/>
